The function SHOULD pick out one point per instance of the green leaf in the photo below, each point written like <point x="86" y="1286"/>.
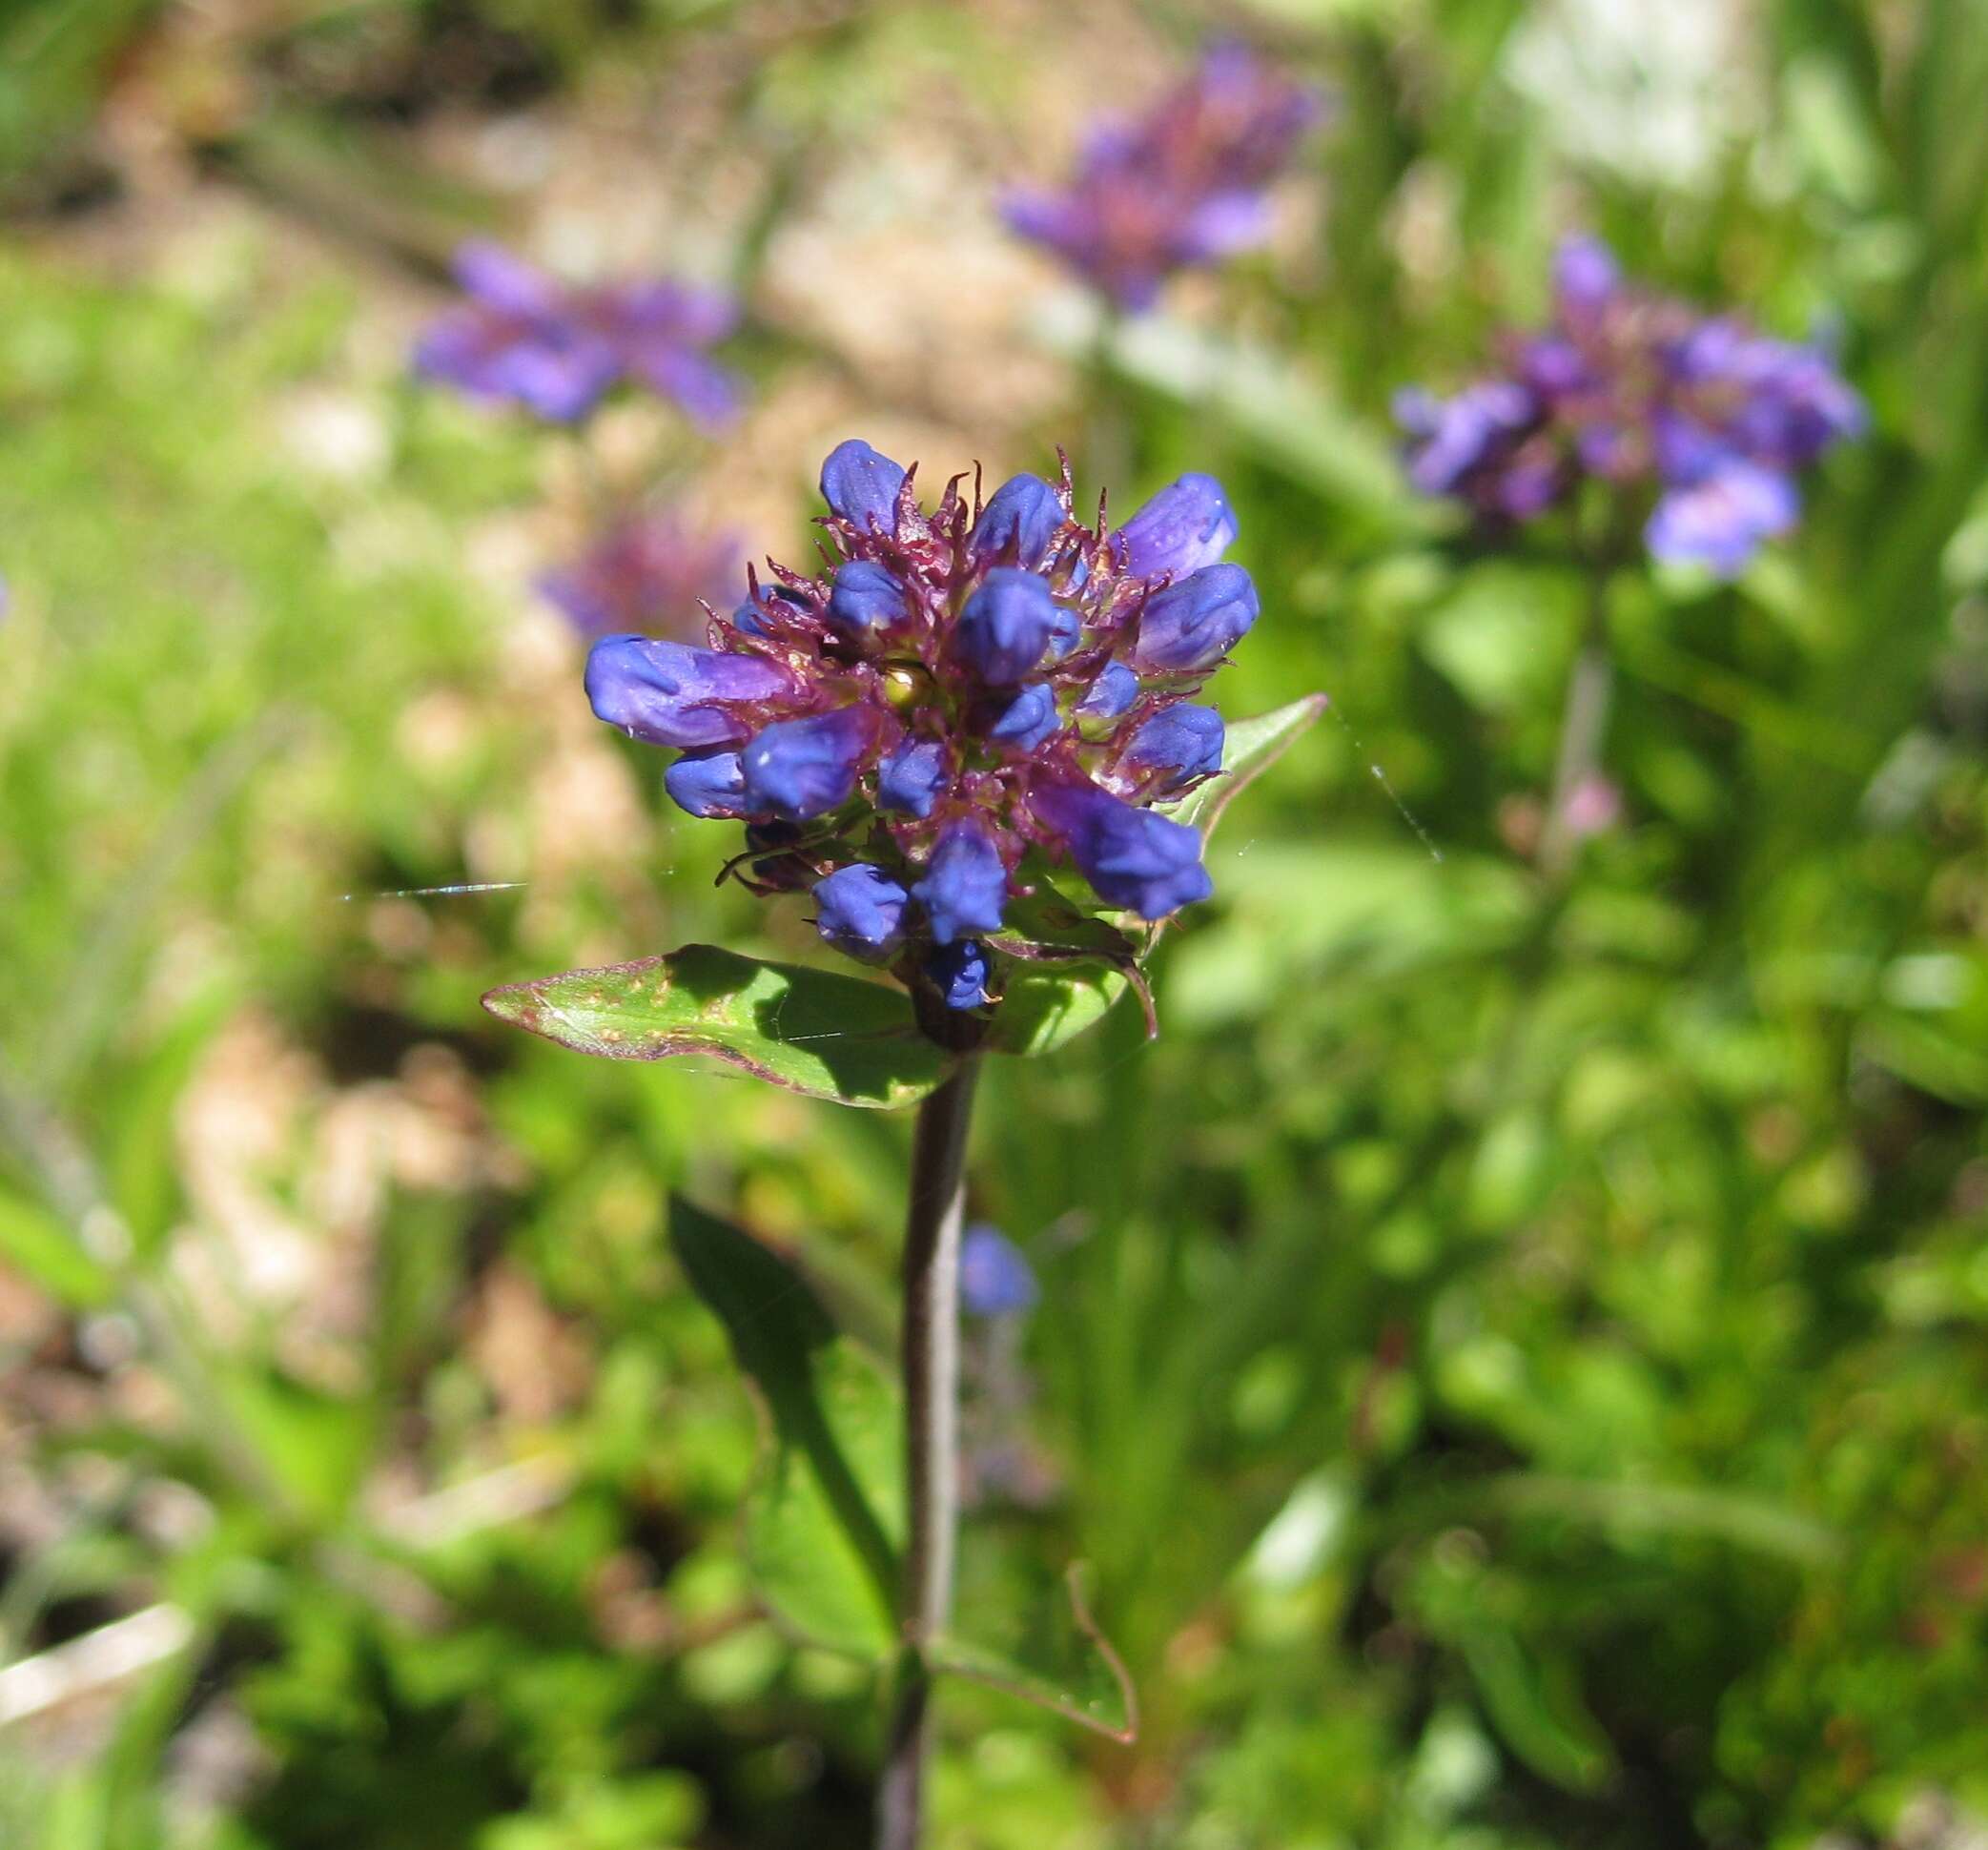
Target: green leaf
<point x="1043" y="922"/>
<point x="826" y="1522"/>
<point x="315" y="1443"/>
<point x="1046" y="1004"/>
<point x="36" y="1245"/>
<point x="1074" y="967"/>
<point x="1051" y="1652"/>
<point x="1537" y="1707"/>
<point x="141" y="1157"/>
<point x="1251" y="747"/>
<point x="811" y="1031"/>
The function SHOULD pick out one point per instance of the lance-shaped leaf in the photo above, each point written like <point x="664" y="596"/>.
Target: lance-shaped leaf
<point x="1046" y="1649"/>
<point x="824" y="1524"/>
<point x="811" y="1031"/>
<point x="1250" y="748"/>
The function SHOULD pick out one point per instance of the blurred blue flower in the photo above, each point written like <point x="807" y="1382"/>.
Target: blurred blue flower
<point x="526" y="338"/>
<point x="650" y="573"/>
<point x="1183" y="184"/>
<point x="995" y="1279"/>
<point x="1699" y="418"/>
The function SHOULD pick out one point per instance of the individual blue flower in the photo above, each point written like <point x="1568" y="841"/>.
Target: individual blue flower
<point x="1720" y="520"/>
<point x="861" y="485"/>
<point x="797" y="768"/>
<point x="669" y="693"/>
<point x="1194" y="624"/>
<point x="1587" y="278"/>
<point x="960" y="971"/>
<point x="1006" y="625"/>
<point x="1028" y="719"/>
<point x="1189" y="524"/>
<point x="1456" y="439"/>
<point x="1021" y="519"/>
<point x="911" y="779"/>
<point x="860" y="912"/>
<point x="995" y="1279"/>
<point x="1116" y="688"/>
<point x="1179" y="744"/>
<point x="965" y="888"/>
<point x="517" y="337"/>
<point x="864" y="597"/>
<point x="1133" y="858"/>
<point x="707" y="784"/>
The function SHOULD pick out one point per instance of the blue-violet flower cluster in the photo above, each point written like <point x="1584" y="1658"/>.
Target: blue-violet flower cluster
<point x="959" y="690"/>
<point x="1183" y="184"/>
<point x="1710" y="419"/>
<point x="526" y="338"/>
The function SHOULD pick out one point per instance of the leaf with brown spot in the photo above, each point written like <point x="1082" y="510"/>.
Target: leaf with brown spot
<point x="811" y="1031"/>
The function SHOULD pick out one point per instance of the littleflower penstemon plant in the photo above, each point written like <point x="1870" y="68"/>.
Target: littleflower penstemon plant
<point x="560" y="351"/>
<point x="974" y="746"/>
<point x="1647" y="422"/>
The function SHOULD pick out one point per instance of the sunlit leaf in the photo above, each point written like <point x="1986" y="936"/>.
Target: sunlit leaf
<point x="826" y="1520"/>
<point x="811" y="1031"/>
<point x="1049" y="1003"/>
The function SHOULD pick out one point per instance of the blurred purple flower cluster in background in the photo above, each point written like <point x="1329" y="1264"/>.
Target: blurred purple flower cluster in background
<point x="648" y="573"/>
<point x="1183" y="184"/>
<point x="959" y="689"/>
<point x="1708" y="418"/>
<point x="526" y="338"/>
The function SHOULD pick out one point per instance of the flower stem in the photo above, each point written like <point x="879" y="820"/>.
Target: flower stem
<point x="1590" y="690"/>
<point x="931" y="1365"/>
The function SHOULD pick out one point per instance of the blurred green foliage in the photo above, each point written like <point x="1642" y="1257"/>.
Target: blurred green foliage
<point x="1511" y="1355"/>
